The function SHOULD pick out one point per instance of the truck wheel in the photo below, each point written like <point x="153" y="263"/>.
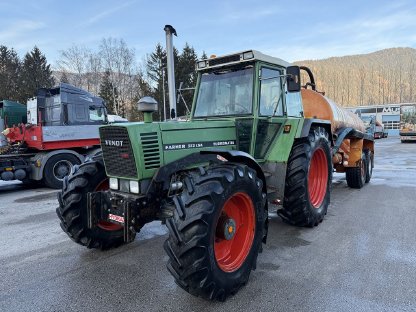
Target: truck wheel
<point x="308" y="181"/>
<point x="57" y="167"/>
<point x="72" y="210"/>
<point x="369" y="164"/>
<point x="356" y="176"/>
<point x="216" y="231"/>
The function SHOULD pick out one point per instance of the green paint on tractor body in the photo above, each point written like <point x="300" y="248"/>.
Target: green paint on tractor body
<point x="243" y="106"/>
<point x="171" y="141"/>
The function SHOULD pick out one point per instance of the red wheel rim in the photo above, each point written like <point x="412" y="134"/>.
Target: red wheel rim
<point x="105" y="225"/>
<point x="230" y="254"/>
<point x="318" y="178"/>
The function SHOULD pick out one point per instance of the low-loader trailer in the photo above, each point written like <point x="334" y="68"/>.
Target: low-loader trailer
<point x="59" y="129"/>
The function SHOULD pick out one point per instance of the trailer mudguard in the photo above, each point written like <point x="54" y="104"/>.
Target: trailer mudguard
<point x="37" y="172"/>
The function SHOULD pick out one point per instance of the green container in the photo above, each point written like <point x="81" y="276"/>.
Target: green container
<point x="12" y="113"/>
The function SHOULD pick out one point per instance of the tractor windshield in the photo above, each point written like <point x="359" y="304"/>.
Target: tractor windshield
<point x="225" y="93"/>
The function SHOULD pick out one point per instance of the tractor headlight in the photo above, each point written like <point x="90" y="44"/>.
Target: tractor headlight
<point x="134" y="187"/>
<point x="114" y="183"/>
<point x="124" y="185"/>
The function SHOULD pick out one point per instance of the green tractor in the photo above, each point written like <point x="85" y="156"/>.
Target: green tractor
<point x="255" y="137"/>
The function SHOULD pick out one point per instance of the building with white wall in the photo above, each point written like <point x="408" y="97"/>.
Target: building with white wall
<point x="387" y="114"/>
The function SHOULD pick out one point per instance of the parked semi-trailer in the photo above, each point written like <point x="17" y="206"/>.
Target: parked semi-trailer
<point x="58" y="130"/>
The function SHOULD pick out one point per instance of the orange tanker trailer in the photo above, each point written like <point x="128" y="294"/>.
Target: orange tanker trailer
<point x="353" y="147"/>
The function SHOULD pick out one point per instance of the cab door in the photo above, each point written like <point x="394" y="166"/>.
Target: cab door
<point x="271" y="109"/>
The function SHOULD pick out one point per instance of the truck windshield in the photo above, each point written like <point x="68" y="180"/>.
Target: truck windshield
<point x="97" y="114"/>
<point x="225" y="93"/>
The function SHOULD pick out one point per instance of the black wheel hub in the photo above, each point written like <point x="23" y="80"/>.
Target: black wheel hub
<point x="226" y="228"/>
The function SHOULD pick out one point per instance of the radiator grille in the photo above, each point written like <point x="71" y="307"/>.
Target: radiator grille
<point x="117" y="152"/>
<point x="151" y="150"/>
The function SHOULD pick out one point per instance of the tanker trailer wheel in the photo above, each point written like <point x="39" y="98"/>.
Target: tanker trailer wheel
<point x="369" y="156"/>
<point x="72" y="210"/>
<point x="308" y="180"/>
<point x="216" y="231"/>
<point x="356" y="176"/>
<point x="57" y="168"/>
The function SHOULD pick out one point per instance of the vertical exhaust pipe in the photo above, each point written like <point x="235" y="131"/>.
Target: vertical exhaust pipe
<point x="171" y="69"/>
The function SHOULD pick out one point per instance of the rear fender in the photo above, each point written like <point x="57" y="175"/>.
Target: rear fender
<point x="310" y="123"/>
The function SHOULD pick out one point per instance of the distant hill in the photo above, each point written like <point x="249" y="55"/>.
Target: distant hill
<point x="385" y="76"/>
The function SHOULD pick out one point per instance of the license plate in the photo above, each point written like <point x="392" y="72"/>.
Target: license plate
<point x="116" y="218"/>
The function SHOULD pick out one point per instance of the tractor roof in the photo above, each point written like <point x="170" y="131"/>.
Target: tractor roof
<point x="239" y="57"/>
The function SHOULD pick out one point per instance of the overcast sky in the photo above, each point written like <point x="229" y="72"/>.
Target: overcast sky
<point x="292" y="30"/>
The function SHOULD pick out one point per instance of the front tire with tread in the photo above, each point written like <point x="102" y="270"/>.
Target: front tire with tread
<point x="192" y="230"/>
<point x="72" y="210"/>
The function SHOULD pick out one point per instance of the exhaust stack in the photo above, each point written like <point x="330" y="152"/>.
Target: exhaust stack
<point x="171" y="69"/>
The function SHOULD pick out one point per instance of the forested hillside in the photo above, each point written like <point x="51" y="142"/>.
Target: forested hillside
<point x="386" y="76"/>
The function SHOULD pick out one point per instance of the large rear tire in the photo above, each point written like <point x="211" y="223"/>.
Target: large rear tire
<point x="356" y="176"/>
<point x="308" y="180"/>
<point x="216" y="232"/>
<point x="72" y="210"/>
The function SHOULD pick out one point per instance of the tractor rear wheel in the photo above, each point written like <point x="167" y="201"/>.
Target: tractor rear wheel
<point x="357" y="176"/>
<point x="308" y="180"/>
<point x="216" y="231"/>
<point x="72" y="210"/>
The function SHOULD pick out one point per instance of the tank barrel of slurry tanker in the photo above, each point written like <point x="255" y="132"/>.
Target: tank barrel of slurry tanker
<point x="170" y="31"/>
<point x="318" y="106"/>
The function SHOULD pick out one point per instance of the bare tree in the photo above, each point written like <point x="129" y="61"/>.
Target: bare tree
<point x="74" y="61"/>
<point x="94" y="72"/>
<point x="119" y="60"/>
<point x="411" y="81"/>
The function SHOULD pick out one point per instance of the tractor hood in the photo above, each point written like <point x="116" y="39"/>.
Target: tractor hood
<point x="137" y="150"/>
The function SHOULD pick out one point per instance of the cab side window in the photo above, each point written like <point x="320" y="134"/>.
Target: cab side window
<point x="271" y="93"/>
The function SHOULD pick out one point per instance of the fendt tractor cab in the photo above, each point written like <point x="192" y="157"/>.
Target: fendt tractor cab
<point x="254" y="138"/>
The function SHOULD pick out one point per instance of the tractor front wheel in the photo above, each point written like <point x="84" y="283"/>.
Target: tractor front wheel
<point x="72" y="210"/>
<point x="216" y="232"/>
<point x="308" y="180"/>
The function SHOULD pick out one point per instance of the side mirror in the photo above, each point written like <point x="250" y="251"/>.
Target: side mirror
<point x="293" y="78"/>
